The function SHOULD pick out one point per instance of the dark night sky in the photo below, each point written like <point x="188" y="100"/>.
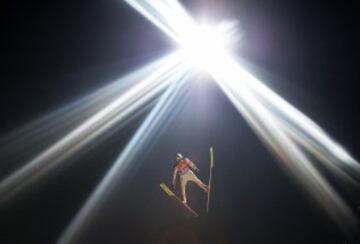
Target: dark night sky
<point x="59" y="51"/>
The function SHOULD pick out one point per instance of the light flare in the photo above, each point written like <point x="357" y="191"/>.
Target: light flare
<point x="206" y="46"/>
<point x="286" y="132"/>
<point x="114" y="113"/>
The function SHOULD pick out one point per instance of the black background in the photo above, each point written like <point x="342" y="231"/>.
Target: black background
<point x="58" y="51"/>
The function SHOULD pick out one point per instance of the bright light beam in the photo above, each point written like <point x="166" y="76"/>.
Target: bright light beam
<point x="75" y="111"/>
<point x="296" y="124"/>
<point x="293" y="159"/>
<point x="307" y="132"/>
<point x="113" y="113"/>
<point x="166" y="15"/>
<point x="32" y="138"/>
<point x="138" y="142"/>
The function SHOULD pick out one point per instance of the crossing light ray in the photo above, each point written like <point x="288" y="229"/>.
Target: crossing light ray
<point x="168" y="16"/>
<point x="67" y="117"/>
<point x="142" y="138"/>
<point x="290" y="155"/>
<point x="115" y="112"/>
<point x="300" y="122"/>
<point x="288" y="133"/>
<point x="297" y="125"/>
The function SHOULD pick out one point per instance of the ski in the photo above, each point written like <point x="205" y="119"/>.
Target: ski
<point x="210" y="178"/>
<point x="177" y="201"/>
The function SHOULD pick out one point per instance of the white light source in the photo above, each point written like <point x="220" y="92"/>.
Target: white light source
<point x="205" y="46"/>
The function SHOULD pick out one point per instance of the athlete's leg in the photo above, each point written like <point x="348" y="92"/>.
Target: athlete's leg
<point x="183" y="182"/>
<point x="198" y="182"/>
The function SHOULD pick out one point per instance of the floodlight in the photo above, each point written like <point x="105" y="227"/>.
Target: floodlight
<point x="205" y="46"/>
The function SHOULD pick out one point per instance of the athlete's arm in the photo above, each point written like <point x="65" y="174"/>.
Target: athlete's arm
<point x="174" y="178"/>
<point x="192" y="165"/>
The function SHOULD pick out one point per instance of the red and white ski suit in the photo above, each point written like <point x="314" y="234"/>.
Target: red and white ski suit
<point x="186" y="174"/>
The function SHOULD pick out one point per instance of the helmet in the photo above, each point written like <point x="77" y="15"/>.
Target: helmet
<point x="179" y="156"/>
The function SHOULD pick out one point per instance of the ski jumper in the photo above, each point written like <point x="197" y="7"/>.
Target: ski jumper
<point x="186" y="174"/>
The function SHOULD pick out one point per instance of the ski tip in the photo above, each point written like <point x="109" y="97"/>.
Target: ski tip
<point x="166" y="189"/>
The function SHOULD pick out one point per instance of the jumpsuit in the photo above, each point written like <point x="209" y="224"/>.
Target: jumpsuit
<point x="186" y="174"/>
